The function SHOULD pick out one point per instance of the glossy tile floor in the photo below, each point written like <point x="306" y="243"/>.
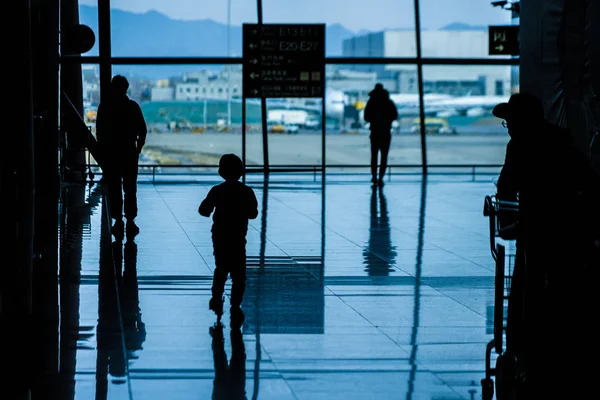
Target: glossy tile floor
<point x="369" y="294"/>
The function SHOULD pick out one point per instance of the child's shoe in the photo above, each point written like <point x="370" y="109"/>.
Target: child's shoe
<point x="216" y="305"/>
<point x="237" y="317"/>
<point x="132" y="229"/>
<point x="118" y="229"/>
<point x="216" y="332"/>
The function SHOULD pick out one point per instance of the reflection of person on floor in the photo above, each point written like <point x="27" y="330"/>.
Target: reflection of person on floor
<point x="110" y="358"/>
<point x="380" y="254"/>
<point x="121" y="133"/>
<point x="134" y="329"/>
<point x="233" y="204"/>
<point x="230" y="379"/>
<point x="380" y="113"/>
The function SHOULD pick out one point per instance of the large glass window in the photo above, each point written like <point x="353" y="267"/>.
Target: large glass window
<point x="459" y="124"/>
<point x="458" y="28"/>
<point x="348" y="88"/>
<point x="355" y="28"/>
<point x="179" y="28"/>
<point x="294" y="127"/>
<point x="88" y="15"/>
<point x="193" y="112"/>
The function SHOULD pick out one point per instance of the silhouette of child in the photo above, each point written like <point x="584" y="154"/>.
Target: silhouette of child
<point x="233" y="204"/>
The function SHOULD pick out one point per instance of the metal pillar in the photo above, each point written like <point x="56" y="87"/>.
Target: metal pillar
<point x="71" y="85"/>
<point x="104" y="47"/>
<point x="420" y="81"/>
<point x="263" y="108"/>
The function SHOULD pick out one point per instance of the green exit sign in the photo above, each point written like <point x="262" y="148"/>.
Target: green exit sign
<point x="504" y="40"/>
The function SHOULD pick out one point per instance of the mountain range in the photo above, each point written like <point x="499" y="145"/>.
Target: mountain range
<point x="152" y="34"/>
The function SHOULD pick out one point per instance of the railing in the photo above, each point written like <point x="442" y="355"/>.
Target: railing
<point x="473" y="170"/>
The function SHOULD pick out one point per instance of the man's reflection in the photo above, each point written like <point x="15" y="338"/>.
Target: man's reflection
<point x="379" y="255"/>
<point x="75" y="220"/>
<point x="134" y="328"/>
<point x="118" y="286"/>
<point x="111" y="357"/>
<point x="230" y="379"/>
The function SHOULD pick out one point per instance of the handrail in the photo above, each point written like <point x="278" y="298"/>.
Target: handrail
<point x="313" y="166"/>
<point x="89" y="142"/>
<point x="73" y="108"/>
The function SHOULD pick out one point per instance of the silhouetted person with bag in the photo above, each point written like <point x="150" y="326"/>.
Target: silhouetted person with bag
<point x="233" y="204"/>
<point x="380" y="113"/>
<point x="121" y="133"/>
<point x="556" y="190"/>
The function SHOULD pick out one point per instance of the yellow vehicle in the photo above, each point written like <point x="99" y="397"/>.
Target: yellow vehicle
<point x="360" y="105"/>
<point x="276" y="128"/>
<point x="90" y="115"/>
<point x="436" y="126"/>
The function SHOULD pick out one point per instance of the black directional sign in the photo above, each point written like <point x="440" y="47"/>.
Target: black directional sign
<point x="504" y="40"/>
<point x="284" y="60"/>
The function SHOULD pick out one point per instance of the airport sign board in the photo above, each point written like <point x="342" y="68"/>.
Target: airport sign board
<point x="504" y="40"/>
<point x="283" y="60"/>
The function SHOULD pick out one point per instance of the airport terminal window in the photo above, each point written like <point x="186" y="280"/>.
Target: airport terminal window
<point x="88" y="15"/>
<point x="197" y="108"/>
<point x="458" y="28"/>
<point x="90" y="85"/>
<point x="294" y="127"/>
<point x="179" y="28"/>
<point x="460" y="128"/>
<point x="355" y="28"/>
<point x="348" y="88"/>
<point x="254" y="140"/>
<point x="186" y="127"/>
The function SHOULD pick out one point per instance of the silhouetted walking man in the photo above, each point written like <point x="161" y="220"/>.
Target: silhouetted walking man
<point x="380" y="112"/>
<point x="121" y="133"/>
<point x="233" y="204"/>
<point x="556" y="190"/>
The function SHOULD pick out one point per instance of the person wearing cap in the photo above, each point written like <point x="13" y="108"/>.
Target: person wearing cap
<point x="380" y="113"/>
<point x="121" y="133"/>
<point x="556" y="189"/>
<point x="233" y="204"/>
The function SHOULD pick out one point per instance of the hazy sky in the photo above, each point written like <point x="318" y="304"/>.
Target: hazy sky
<point x="353" y="14"/>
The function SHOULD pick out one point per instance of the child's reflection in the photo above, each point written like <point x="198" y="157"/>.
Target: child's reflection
<point x="230" y="379"/>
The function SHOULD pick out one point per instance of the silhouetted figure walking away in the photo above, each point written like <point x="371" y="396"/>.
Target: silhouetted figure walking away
<point x="558" y="195"/>
<point x="233" y="204"/>
<point x="230" y="378"/>
<point x="121" y="133"/>
<point x="380" y="112"/>
<point x="380" y="254"/>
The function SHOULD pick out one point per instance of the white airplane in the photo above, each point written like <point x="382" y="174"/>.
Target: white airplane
<point x="335" y="102"/>
<point x="440" y="105"/>
<point x="473" y="106"/>
<point x="436" y="105"/>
